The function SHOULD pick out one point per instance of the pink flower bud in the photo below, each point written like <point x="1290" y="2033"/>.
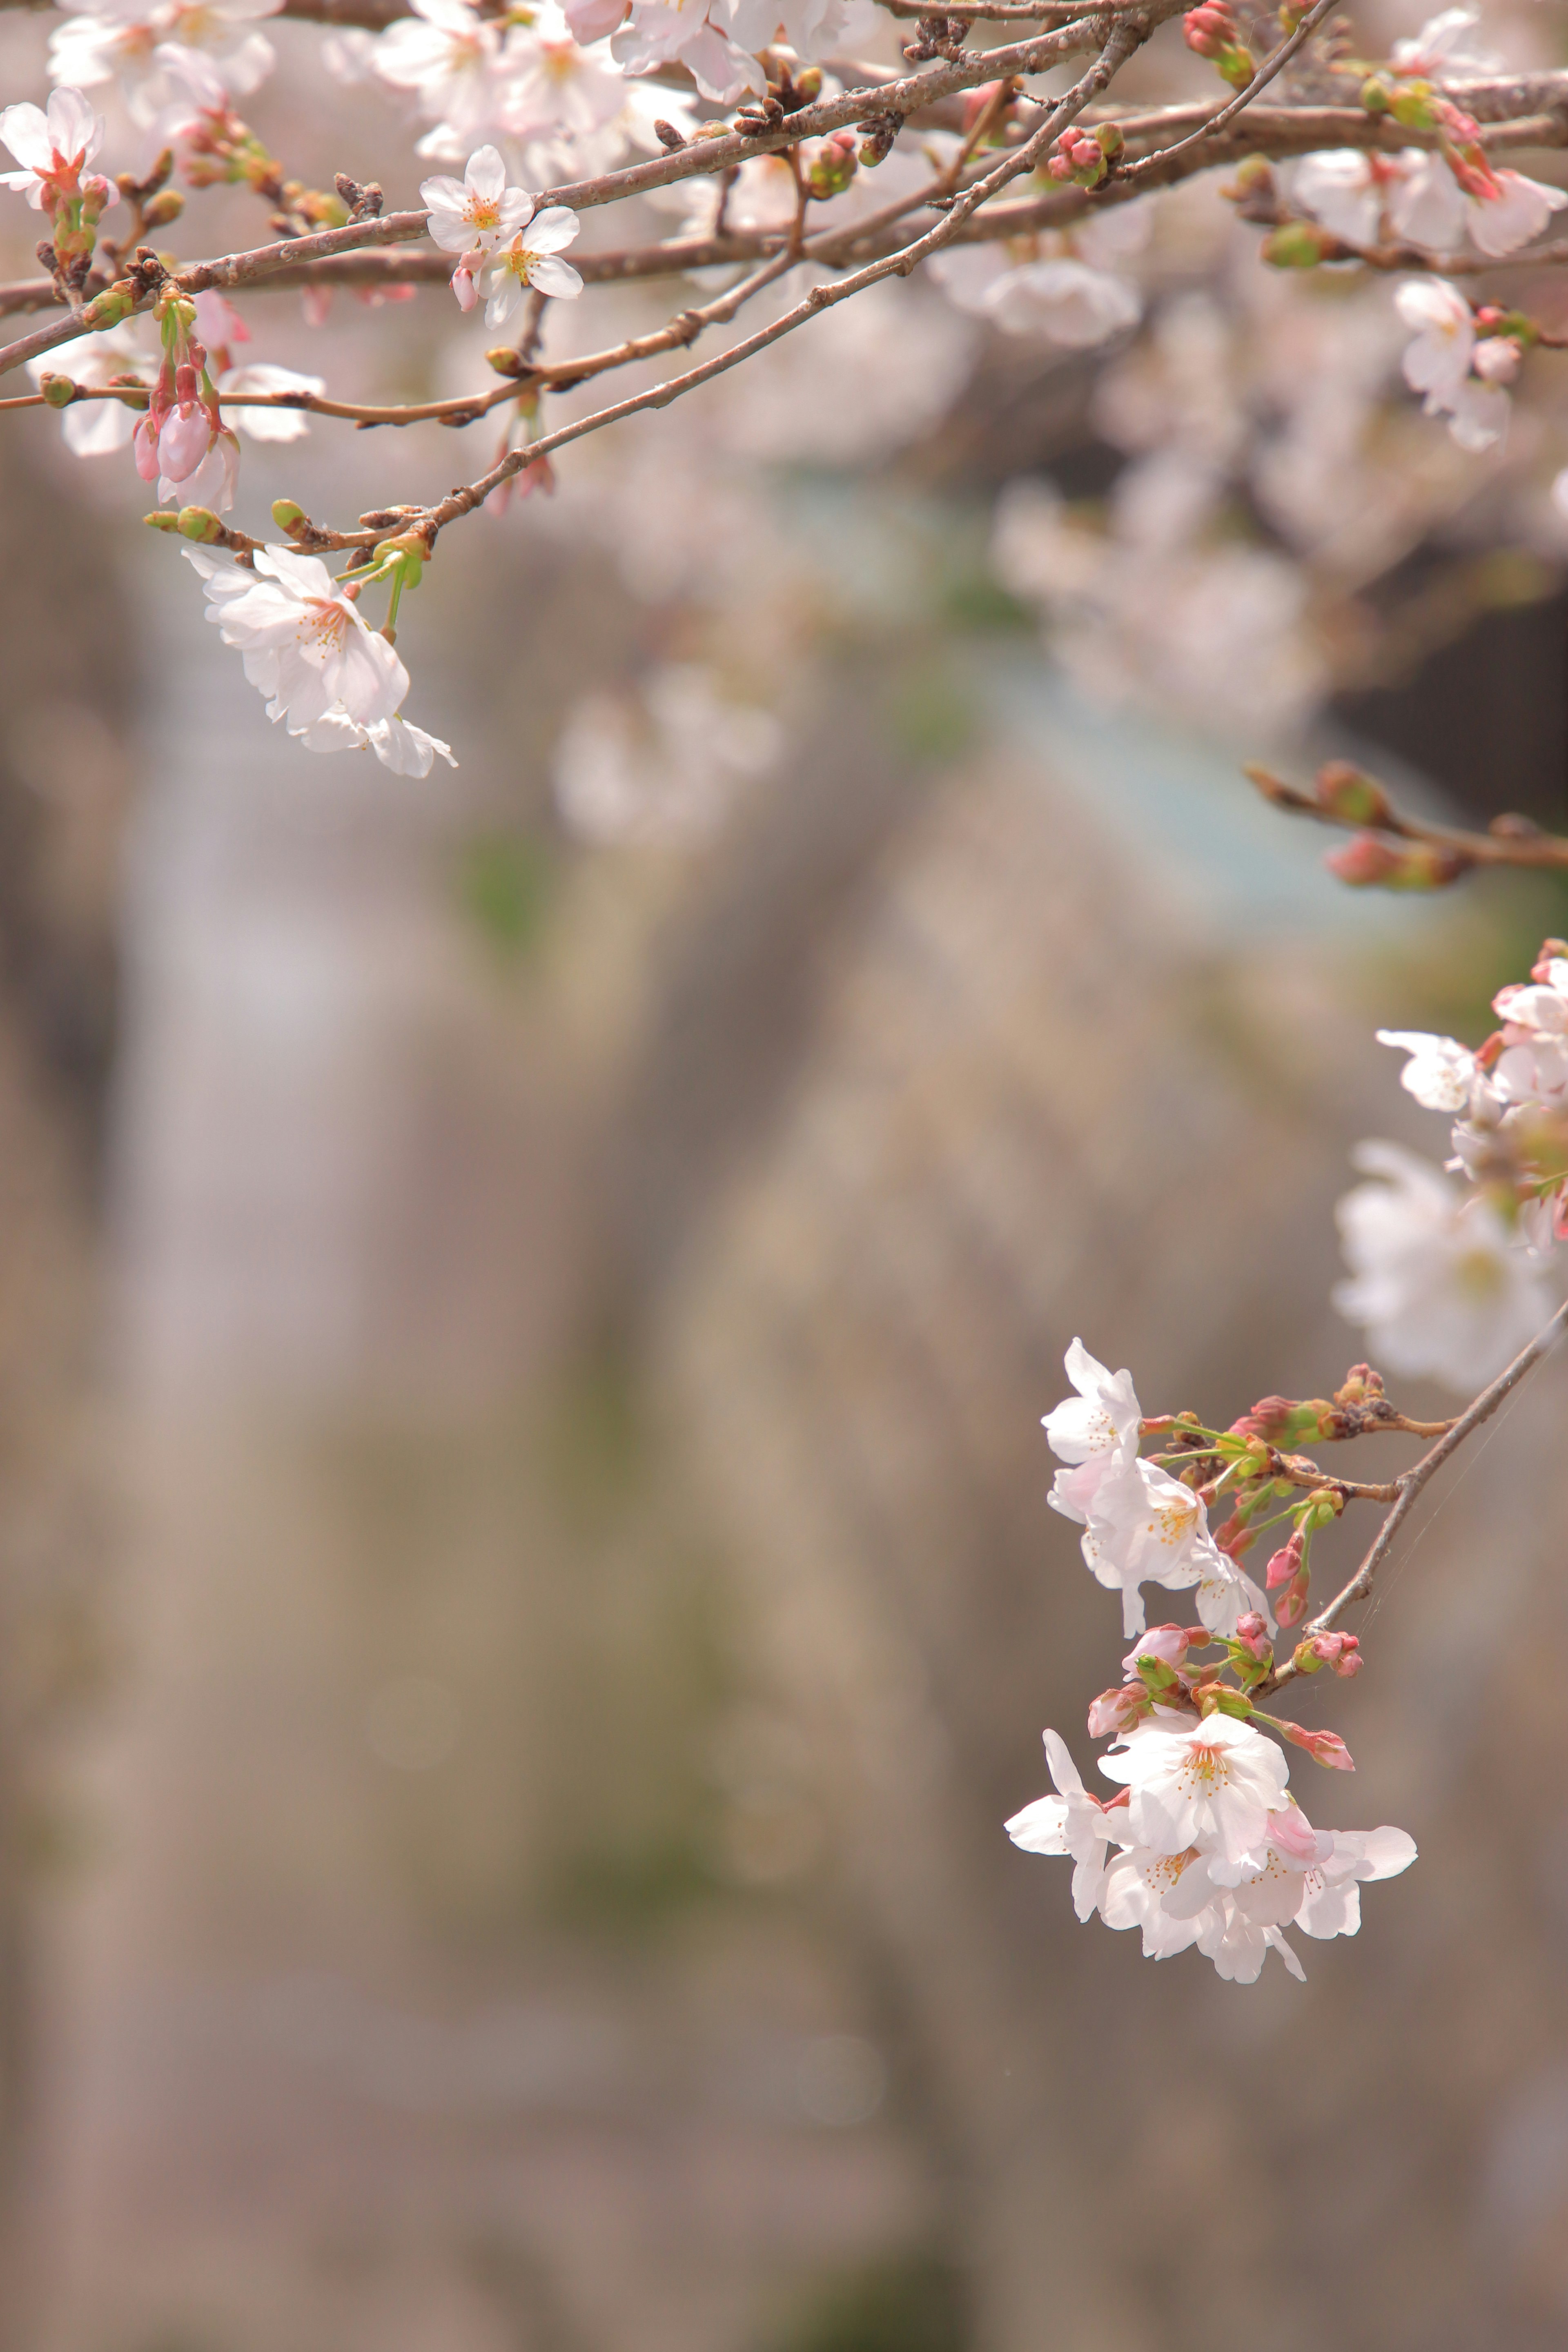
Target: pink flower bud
<point x="1341" y="1652"/>
<point x="1167" y="1642"/>
<point x="1115" y="1711"/>
<point x="185" y="441"/>
<point x="144" y="445"/>
<point x="1292" y="1605"/>
<point x="1498" y="359"/>
<point x="464" y="285"/>
<point x="1252" y="1632"/>
<point x="1287" y="1562"/>
<point x="1323" y="1746"/>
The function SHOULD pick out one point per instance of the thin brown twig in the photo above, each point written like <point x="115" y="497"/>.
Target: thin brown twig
<point x="1517" y="842"/>
<point x="1273" y="64"/>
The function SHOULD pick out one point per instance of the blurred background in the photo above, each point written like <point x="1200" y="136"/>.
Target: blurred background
<point x="526" y="1586"/>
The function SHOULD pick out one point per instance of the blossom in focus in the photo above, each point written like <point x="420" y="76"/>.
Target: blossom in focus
<point x="53" y="148"/>
<point x="1074" y="305"/>
<point x="1439" y="1073"/>
<point x="1103" y="1416"/>
<point x="473" y="214"/>
<point x="304" y="643"/>
<point x="532" y="259"/>
<point x="1441" y="1285"/>
<point x="1071" y="1821"/>
<point x="1208" y="1783"/>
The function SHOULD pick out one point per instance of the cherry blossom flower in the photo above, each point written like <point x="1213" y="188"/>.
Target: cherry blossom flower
<point x="1533" y="1065"/>
<point x="1437" y="362"/>
<point x="692" y="33"/>
<point x="1441" y="50"/>
<point x="1074" y="305"/>
<point x="1348" y="190"/>
<point x="1440" y="1071"/>
<point x="475" y="214"/>
<point x="532" y="259"/>
<point x="1208" y="1784"/>
<point x="813" y="28"/>
<point x="96" y="428"/>
<point x="305" y="646"/>
<point x="450" y="59"/>
<point x="555" y="83"/>
<point x="137" y="41"/>
<point x="53" y="148"/>
<point x="404" y="747"/>
<point x="1440" y="1283"/>
<point x="1105" y="1418"/>
<point x="268" y="423"/>
<point x="1501" y="211"/>
<point x="1071" y="1821"/>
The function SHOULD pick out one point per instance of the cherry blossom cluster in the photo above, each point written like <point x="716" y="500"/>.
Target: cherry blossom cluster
<point x="1032" y="209"/>
<point x="1204" y="1844"/>
<point x="1453" y="1269"/>
<point x="1453" y="1279"/>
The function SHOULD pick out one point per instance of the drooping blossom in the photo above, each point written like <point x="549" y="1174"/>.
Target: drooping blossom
<point x="1442" y="1286"/>
<point x="333" y="681"/>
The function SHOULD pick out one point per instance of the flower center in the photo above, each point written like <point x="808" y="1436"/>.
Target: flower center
<point x="324" y="625"/>
<point x="483" y="211"/>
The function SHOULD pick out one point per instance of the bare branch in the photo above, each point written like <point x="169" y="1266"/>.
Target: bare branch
<point x="1271" y="65"/>
<point x="1513" y="840"/>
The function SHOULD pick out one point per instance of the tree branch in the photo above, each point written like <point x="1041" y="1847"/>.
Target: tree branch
<point x="1411" y="1484"/>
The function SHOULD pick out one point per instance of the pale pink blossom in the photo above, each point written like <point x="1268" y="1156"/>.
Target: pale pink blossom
<point x="1071" y="1821"/>
<point x="1212" y="1783"/>
<point x="476" y="213"/>
<point x="54" y="147"/>
<point x="1440" y="1071"/>
<point x="304" y="643"/>
<point x="532" y="259"/>
<point x="692" y="33"/>
<point x="1441" y="1285"/>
